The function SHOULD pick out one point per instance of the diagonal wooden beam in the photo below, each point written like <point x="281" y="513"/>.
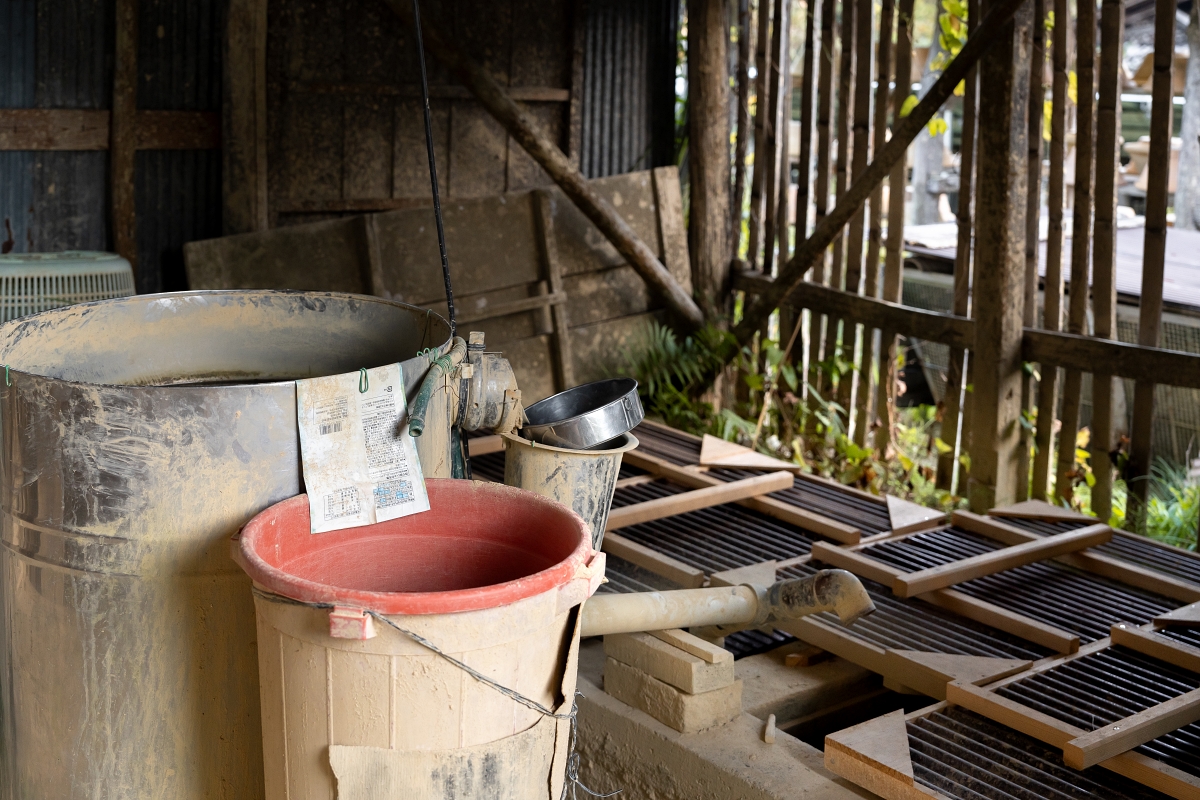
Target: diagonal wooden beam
<point x="902" y="135"/>
<point x="527" y="132"/>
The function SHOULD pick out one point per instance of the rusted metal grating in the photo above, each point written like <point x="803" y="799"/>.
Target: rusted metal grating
<point x="1097" y="689"/>
<point x="911" y="624"/>
<point x="1126" y="547"/>
<point x="1084" y="604"/>
<point x="812" y="494"/>
<point x="968" y="757"/>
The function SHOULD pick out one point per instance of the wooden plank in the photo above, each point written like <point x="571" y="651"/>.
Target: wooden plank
<point x="689" y="643"/>
<point x="575" y="110"/>
<point x="492" y="311"/>
<point x="1133" y="575"/>
<point x="830" y="638"/>
<point x="855" y="562"/>
<point x="676" y="571"/>
<point x="53" y="129"/>
<point x="483" y="445"/>
<point x="1132" y="731"/>
<point x="636" y="480"/>
<point x="929" y="673"/>
<point x="668" y="199"/>
<point x="1186" y="617"/>
<point x="526" y="94"/>
<point x="244" y="123"/>
<point x="123" y="140"/>
<point x="939" y="577"/>
<point x="928" y="325"/>
<point x="1133" y="361"/>
<point x="785" y="512"/>
<point x="696" y="499"/>
<point x="992" y="528"/>
<point x="1156" y="645"/>
<point x="560" y="320"/>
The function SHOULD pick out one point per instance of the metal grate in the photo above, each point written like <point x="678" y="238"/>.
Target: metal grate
<point x="908" y="624"/>
<point x="1084" y="604"/>
<point x="968" y="757"/>
<point x="1132" y="548"/>
<point x="752" y="642"/>
<point x="1100" y="688"/>
<point x="717" y="538"/>
<point x="810" y="493"/>
<point x="1190" y="636"/>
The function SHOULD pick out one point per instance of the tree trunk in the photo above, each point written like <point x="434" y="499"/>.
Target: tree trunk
<point x="708" y="152"/>
<point x="1187" y="192"/>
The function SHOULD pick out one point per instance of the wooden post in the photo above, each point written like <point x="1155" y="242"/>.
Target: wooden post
<point x="1154" y="253"/>
<point x="1081" y="236"/>
<point x="522" y="127"/>
<point x="893" y="273"/>
<point x="244" y="119"/>
<point x="575" y="110"/>
<point x="743" y="128"/>
<point x="804" y="156"/>
<point x="762" y="65"/>
<point x="783" y="204"/>
<point x="1104" y="287"/>
<point x="999" y="273"/>
<point x="122" y="146"/>
<point x="837" y="331"/>
<point x="952" y="410"/>
<point x="708" y="153"/>
<point x="1053" y="293"/>
<point x="1033" y="213"/>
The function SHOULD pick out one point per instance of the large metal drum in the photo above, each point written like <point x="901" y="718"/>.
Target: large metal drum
<point x="138" y="435"/>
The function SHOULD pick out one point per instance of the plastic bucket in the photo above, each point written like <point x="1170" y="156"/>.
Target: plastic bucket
<point x="585" y="480"/>
<point x="490" y="576"/>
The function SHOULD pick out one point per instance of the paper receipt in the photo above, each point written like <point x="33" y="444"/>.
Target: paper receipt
<point x="360" y="463"/>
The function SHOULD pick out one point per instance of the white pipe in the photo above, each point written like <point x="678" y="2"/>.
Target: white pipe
<point x="656" y="611"/>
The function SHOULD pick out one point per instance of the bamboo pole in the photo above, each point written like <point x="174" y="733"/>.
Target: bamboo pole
<point x="762" y="65"/>
<point x="952" y="420"/>
<point x="804" y="156"/>
<point x="893" y="267"/>
<point x="1154" y="252"/>
<point x="783" y="217"/>
<point x="1053" y="291"/>
<point x="1033" y="214"/>
<point x="780" y="34"/>
<point x="527" y="132"/>
<point x="743" y="128"/>
<point x="819" y="324"/>
<point x="1104" y="287"/>
<point x="760" y="308"/>
<point x="1081" y="235"/>
<point x="841" y="328"/>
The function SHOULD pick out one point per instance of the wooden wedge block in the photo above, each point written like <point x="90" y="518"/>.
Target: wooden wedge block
<point x="686" y="713"/>
<point x="668" y="663"/>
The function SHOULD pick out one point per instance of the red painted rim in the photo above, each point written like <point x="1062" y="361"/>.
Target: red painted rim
<point x="447" y="498"/>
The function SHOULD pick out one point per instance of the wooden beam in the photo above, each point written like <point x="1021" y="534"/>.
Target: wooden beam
<point x="76" y="129"/>
<point x="1134" y="361"/>
<point x="1132" y="731"/>
<point x="482" y="445"/>
<point x="1156" y="645"/>
<point x="244" y="118"/>
<point x="931" y="326"/>
<point x="522" y="127"/>
<point x="944" y="575"/>
<point x="559" y="321"/>
<point x="696" y="499"/>
<point x="685" y="575"/>
<point x="524" y="94"/>
<point x="123" y="138"/>
<point x="777" y="509"/>
<point x="551" y="300"/>
<point x="907" y="129"/>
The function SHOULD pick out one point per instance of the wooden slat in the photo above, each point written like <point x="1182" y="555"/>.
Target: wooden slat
<point x="944" y="575"/>
<point x="636" y="480"/>
<point x="696" y="499"/>
<point x="482" y="445"/>
<point x="551" y="300"/>
<point x="53" y="129"/>
<point x="683" y="574"/>
<point x="1137" y="362"/>
<point x="785" y="512"/>
<point x="1156" y="646"/>
<point x="762" y="91"/>
<point x="780" y="41"/>
<point x="527" y="94"/>
<point x="1132" y="731"/>
<point x="928" y="325"/>
<point x="123" y="138"/>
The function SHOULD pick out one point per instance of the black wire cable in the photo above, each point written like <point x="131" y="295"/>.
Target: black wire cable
<point x="437" y="202"/>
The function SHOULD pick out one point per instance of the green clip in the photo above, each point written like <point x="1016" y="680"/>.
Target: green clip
<point x="363" y="383"/>
<point x="7" y="382"/>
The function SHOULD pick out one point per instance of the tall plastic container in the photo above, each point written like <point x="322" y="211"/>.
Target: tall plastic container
<point x="490" y="575"/>
<point x="585" y="480"/>
<point x="139" y="435"/>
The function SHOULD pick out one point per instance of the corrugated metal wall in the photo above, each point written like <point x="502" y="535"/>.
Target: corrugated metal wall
<point x="628" y="107"/>
<point x="59" y="54"/>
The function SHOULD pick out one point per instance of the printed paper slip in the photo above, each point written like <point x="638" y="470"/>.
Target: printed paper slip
<point x="360" y="463"/>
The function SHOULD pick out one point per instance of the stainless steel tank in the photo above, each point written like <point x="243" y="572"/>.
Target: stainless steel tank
<point x="138" y="435"/>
